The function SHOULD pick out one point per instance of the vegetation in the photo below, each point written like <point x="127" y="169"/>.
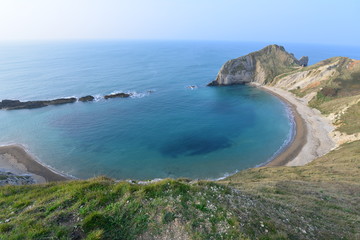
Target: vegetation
<point x="316" y="201"/>
<point x="350" y="121"/>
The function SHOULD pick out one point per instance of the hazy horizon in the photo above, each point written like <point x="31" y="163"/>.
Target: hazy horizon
<point x="279" y="21"/>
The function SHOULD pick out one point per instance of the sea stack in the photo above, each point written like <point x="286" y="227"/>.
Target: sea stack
<point x="260" y="67"/>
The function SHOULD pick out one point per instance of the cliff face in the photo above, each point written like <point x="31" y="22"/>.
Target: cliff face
<point x="260" y="67"/>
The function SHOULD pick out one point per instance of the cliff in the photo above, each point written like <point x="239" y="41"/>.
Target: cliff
<point x="260" y="66"/>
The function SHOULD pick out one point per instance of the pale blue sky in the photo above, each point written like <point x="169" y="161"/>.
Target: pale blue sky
<point x="302" y="21"/>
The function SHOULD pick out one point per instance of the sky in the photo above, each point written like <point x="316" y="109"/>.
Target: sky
<point x="316" y="21"/>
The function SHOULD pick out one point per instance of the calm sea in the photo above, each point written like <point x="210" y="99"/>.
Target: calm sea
<point x="165" y="129"/>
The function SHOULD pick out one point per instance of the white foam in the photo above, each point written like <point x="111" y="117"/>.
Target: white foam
<point x="225" y="176"/>
<point x="98" y="98"/>
<point x="135" y="94"/>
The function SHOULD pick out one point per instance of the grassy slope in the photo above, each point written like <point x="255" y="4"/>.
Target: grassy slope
<point x="340" y="92"/>
<point x="323" y="195"/>
<point x="337" y="93"/>
<point x="317" y="201"/>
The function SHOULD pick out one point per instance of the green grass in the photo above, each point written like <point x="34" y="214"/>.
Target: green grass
<point x="316" y="201"/>
<point x="3" y="177"/>
<point x="350" y="121"/>
<point x="102" y="209"/>
<point x="321" y="195"/>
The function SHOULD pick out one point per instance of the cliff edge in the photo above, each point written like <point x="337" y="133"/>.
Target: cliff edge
<point x="261" y="67"/>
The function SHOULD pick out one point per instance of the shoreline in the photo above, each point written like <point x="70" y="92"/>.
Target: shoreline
<point x="15" y="159"/>
<point x="311" y="139"/>
<point x="298" y="141"/>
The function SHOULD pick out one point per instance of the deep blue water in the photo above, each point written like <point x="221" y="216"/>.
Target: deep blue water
<point x="171" y="132"/>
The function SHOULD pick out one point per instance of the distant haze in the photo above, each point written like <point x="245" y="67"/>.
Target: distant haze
<point x="329" y="22"/>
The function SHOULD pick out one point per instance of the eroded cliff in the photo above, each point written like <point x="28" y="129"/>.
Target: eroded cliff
<point x="260" y="67"/>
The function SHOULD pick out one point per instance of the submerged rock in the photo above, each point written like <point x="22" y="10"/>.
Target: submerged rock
<point x="260" y="67"/>
<point x="88" y="98"/>
<point x="117" y="95"/>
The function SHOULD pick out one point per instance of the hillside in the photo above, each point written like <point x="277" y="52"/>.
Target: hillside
<point x="316" y="201"/>
<point x="333" y="87"/>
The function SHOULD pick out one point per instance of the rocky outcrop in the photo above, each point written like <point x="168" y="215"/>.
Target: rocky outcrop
<point x="304" y="61"/>
<point x="260" y="67"/>
<point x="117" y="95"/>
<point x="8" y="178"/>
<point x="88" y="98"/>
<point x="16" y="104"/>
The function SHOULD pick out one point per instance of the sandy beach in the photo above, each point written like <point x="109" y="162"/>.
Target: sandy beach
<point x="16" y="160"/>
<point x="312" y="137"/>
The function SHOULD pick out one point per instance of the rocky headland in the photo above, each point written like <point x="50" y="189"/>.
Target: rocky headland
<point x="260" y="67"/>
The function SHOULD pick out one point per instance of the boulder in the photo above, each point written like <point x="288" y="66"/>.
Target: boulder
<point x="117" y="95"/>
<point x="88" y="98"/>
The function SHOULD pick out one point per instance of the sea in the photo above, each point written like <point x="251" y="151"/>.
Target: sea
<point x="165" y="129"/>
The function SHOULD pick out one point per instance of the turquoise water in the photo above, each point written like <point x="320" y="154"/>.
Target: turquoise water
<point x="171" y="132"/>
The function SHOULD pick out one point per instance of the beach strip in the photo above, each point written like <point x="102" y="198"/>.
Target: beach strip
<point x="299" y="138"/>
<point x="311" y="139"/>
<point x="15" y="159"/>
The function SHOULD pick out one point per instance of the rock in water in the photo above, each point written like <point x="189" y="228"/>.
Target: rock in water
<point x="304" y="61"/>
<point x="88" y="98"/>
<point x="16" y="104"/>
<point x="260" y="67"/>
<point x="117" y="95"/>
<point x="60" y="101"/>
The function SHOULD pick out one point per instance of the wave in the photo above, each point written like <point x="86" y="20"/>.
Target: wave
<point x="98" y="97"/>
<point x="224" y="176"/>
<point x="140" y="94"/>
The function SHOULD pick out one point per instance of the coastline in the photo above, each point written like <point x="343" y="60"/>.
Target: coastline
<point x="312" y="138"/>
<point x="15" y="159"/>
<point x="298" y="140"/>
